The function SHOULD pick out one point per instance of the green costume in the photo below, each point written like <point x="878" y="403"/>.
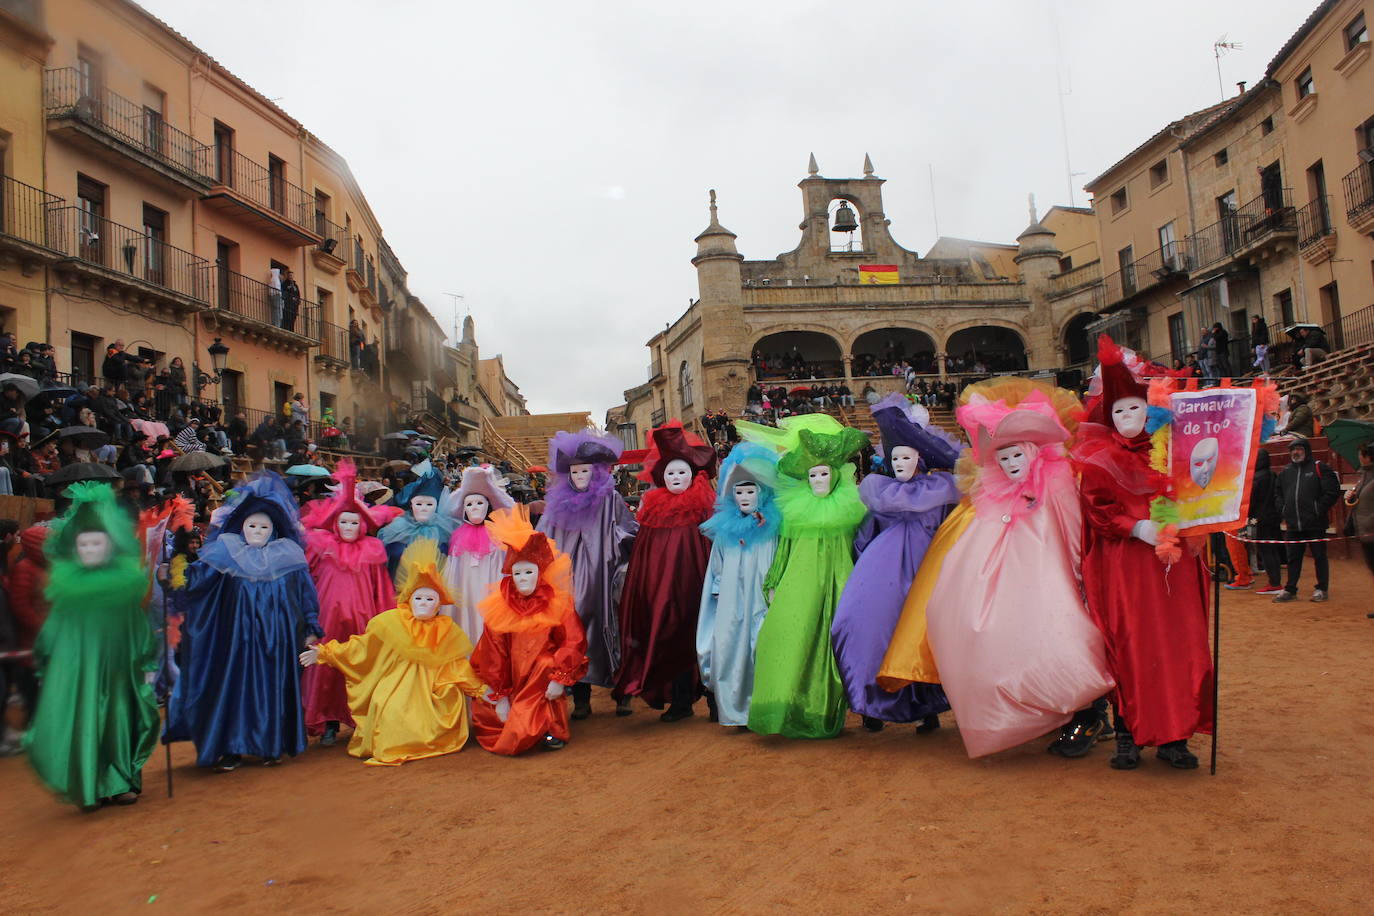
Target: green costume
<point x="797" y="687"/>
<point x="97" y="720"/>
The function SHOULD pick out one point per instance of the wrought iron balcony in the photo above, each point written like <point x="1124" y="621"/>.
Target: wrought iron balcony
<point x="658" y="417"/>
<point x="1267" y="219"/>
<point x="115" y="127"/>
<point x="102" y="249"/>
<point x="254" y="308"/>
<point x="330" y="253"/>
<point x="1316" y="234"/>
<point x="1359" y="197"/>
<point x="24" y="217"/>
<point x="1159" y="266"/>
<point x="357" y="264"/>
<point x="333" y="346"/>
<point x="263" y="198"/>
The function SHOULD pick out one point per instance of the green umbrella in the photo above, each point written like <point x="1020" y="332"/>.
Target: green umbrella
<point x="1346" y="436"/>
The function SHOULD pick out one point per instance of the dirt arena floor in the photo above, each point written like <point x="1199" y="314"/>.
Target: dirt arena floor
<point x="636" y="816"/>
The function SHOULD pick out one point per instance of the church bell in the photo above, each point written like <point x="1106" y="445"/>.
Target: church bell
<point x="844" y="219"/>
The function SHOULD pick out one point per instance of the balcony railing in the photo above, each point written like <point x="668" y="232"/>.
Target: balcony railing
<point x="1351" y="330"/>
<point x="658" y="417"/>
<point x="267" y="188"/>
<point x="1314" y="222"/>
<point x="1270" y="213"/>
<point x="24" y="211"/>
<point x="258" y="302"/>
<point x="1076" y="277"/>
<point x="333" y="344"/>
<point x="67" y="94"/>
<point x="1359" y="191"/>
<point x="357" y="261"/>
<point x="129" y="252"/>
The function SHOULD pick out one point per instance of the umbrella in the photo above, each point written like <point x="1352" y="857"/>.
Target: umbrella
<point x="307" y="470"/>
<point x="397" y="464"/>
<point x="26" y="385"/>
<point x="1346" y="436"/>
<point x="79" y="471"/>
<point x="409" y="432"/>
<point x="537" y="469"/>
<point x="397" y="437"/>
<point x="85" y="436"/>
<point x="1292" y="329"/>
<point x="196" y="461"/>
<point x="56" y="393"/>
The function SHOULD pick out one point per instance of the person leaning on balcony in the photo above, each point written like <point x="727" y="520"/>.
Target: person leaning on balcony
<point x="290" y="300"/>
<point x="1221" y="350"/>
<point x="355" y="344"/>
<point x="112" y="368"/>
<point x="300" y="412"/>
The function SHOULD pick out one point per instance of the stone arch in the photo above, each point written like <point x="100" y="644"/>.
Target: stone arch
<point x="1078" y="344"/>
<point x="874" y="350"/>
<point x="991" y="345"/>
<point x="784" y="352"/>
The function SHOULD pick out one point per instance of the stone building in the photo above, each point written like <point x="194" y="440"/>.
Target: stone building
<point x="845" y="305"/>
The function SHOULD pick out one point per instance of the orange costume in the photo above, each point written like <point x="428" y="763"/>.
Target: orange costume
<point x="529" y="642"/>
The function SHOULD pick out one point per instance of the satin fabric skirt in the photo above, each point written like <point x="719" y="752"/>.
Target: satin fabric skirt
<point x="658" y="612"/>
<point x="732" y="611"/>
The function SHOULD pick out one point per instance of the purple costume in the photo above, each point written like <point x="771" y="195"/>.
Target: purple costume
<point x="891" y="542"/>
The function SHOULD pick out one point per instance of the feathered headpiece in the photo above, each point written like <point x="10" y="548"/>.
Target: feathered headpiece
<point x="482" y="481"/>
<point x="585" y="447"/>
<point x="345" y="499"/>
<point x="902" y="422"/>
<point x="671" y="442"/>
<point x="512" y="529"/>
<point x="419" y="568"/>
<point x="831" y="449"/>
<point x="748" y="462"/>
<point x="93" y="508"/>
<point x="430" y="483"/>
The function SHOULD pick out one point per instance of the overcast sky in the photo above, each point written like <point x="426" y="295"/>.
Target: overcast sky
<point x="550" y="160"/>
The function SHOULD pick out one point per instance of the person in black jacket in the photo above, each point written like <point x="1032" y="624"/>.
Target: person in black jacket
<point x="1264" y="516"/>
<point x="1305" y="492"/>
<point x="290" y="300"/>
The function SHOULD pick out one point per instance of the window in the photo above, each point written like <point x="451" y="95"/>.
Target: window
<point x="1305" y="84"/>
<point x="224" y="155"/>
<point x="684" y="381"/>
<point x="276" y="183"/>
<point x="154" y="110"/>
<point x="231" y="393"/>
<point x="89" y="74"/>
<point x="1357" y="33"/>
<point x="325" y="298"/>
<point x="1168" y="246"/>
<point x="1178" y="336"/>
<point x="1118" y="201"/>
<point x="1066" y="264"/>
<point x="1267" y="126"/>
<point x="226" y="259"/>
<point x="1221" y="157"/>
<point x="1364" y="138"/>
<point x="84" y="347"/>
<point x="322" y="214"/>
<point x="327" y="402"/>
<point x="1159" y="173"/>
<point x="155" y="230"/>
<point x="1125" y="259"/>
<point x="1331" y="314"/>
<point x="1283" y="305"/>
<point x="1226" y="215"/>
<point x="90" y="199"/>
<point x="1316" y="187"/>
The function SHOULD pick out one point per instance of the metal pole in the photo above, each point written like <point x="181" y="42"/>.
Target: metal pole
<point x="167" y="702"/>
<point x="1216" y="655"/>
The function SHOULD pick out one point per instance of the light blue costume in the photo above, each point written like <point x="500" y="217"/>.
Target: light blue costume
<point x="404" y="529"/>
<point x="733" y="604"/>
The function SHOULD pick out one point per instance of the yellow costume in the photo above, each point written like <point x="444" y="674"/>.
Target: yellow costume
<point x="407" y="679"/>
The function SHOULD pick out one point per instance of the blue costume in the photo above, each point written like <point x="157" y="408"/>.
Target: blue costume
<point x="250" y="610"/>
<point x="902" y="518"/>
<point x="398" y="534"/>
<point x="733" y="604"/>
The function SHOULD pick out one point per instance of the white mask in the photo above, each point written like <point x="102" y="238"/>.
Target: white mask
<point x="1013" y="461"/>
<point x="1128" y="416"/>
<point x="475" y="507"/>
<point x="424" y="603"/>
<point x="93" y="548"/>
<point x="747" y="497"/>
<point x="350" y="526"/>
<point x="904" y="460"/>
<point x="257" y="529"/>
<point x="525" y="575"/>
<point x="819" y="477"/>
<point x="422" y="508"/>
<point x="580" y="476"/>
<point x="677" y="476"/>
<point x="1202" y="464"/>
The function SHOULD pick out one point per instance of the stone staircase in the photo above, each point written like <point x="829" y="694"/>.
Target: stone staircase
<point x="860" y="417"/>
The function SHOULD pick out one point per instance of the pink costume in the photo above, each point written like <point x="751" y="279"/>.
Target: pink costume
<point x="1017" y="652"/>
<point x="474" y="559"/>
<point x="354" y="586"/>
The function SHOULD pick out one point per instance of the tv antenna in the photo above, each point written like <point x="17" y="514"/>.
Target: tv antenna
<point x="1220" y="46"/>
<point x="455" y="297"/>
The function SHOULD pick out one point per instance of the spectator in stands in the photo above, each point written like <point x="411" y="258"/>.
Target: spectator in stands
<point x="110" y="415"/>
<point x="355" y="344"/>
<point x="1221" y="344"/>
<point x="12" y="403"/>
<point x="300" y="411"/>
<point x="238" y="432"/>
<point x="1305" y="493"/>
<point x="1259" y="342"/>
<point x="1264" y="516"/>
<point x="268" y="437"/>
<point x="8" y="354"/>
<point x="113" y="366"/>
<point x="1301" y="421"/>
<point x="1361" y="503"/>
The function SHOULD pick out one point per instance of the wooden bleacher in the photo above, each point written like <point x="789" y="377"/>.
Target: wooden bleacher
<point x="1339" y="387"/>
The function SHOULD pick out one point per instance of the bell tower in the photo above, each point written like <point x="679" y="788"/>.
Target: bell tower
<point x="725" y="337"/>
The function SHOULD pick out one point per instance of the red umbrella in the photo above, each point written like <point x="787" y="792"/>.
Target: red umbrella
<point x="536" y="469"/>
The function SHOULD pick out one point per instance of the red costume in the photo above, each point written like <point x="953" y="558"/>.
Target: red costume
<point x="25" y="583"/>
<point x="1153" y="616"/>
<point x="662" y="595"/>
<point x="528" y="642"/>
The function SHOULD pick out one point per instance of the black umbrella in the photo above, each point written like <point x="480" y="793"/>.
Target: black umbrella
<point x="56" y="393"/>
<point x="196" y="461"/>
<point x="397" y="437"/>
<point x="79" y="471"/>
<point x="26" y="385"/>
<point x="85" y="436"/>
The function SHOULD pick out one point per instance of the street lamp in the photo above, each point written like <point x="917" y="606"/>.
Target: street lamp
<point x="219" y="361"/>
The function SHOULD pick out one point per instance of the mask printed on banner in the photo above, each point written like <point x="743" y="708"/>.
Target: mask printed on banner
<point x="819" y="478"/>
<point x="93" y="548"/>
<point x="677" y="476"/>
<point x="747" y="497"/>
<point x="525" y="575"/>
<point x="580" y="476"/>
<point x="904" y="460"/>
<point x="1202" y="464"/>
<point x="1013" y="461"/>
<point x="1128" y="416"/>
<point x="424" y="603"/>
<point x="422" y="507"/>
<point x="475" y="508"/>
<point x="350" y="526"/>
<point x="257" y="529"/>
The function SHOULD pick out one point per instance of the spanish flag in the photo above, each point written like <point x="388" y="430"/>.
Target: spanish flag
<point x="878" y="273"/>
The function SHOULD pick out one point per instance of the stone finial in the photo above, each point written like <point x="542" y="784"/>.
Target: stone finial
<point x="713" y="205"/>
<point x="811" y="167"/>
<point x="868" y="166"/>
<point x="1030" y="199"/>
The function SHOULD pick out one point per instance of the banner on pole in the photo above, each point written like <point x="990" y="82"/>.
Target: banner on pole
<point x="1215" y="435"/>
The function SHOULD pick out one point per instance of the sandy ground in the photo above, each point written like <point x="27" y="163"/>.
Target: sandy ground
<point x="636" y="816"/>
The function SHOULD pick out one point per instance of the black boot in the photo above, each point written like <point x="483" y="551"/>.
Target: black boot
<point x="623" y="707"/>
<point x="872" y="724"/>
<point x="1177" y="755"/>
<point x="682" y="695"/>
<point x="1127" y="756"/>
<point x="331" y="734"/>
<point x="582" y="700"/>
<point x="550" y="743"/>
<point x="928" y="724"/>
<point x="1080" y="734"/>
<point x="711" y="707"/>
